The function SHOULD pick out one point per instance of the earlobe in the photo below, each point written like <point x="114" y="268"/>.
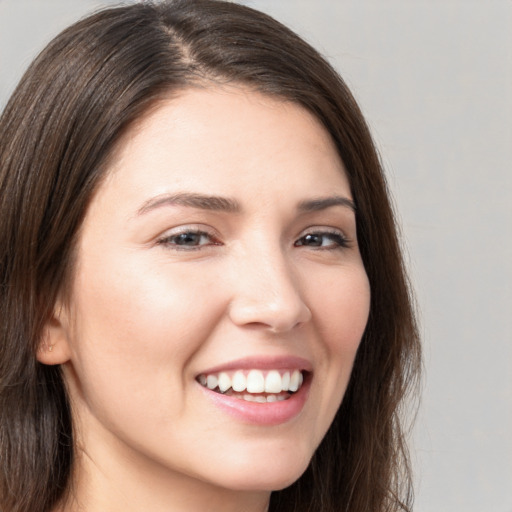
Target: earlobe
<point x="54" y="345"/>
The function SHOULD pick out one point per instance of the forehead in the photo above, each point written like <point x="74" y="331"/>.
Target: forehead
<point x="227" y="139"/>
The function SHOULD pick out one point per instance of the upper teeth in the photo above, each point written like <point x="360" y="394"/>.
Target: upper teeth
<point x="254" y="381"/>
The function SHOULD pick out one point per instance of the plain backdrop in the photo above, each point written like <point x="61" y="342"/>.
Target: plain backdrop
<point x="434" y="78"/>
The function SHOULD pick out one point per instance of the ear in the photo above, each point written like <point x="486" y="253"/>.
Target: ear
<point x="54" y="344"/>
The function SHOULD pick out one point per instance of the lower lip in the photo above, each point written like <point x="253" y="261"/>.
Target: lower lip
<point x="270" y="413"/>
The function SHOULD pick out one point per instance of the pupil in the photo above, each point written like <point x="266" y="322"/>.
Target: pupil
<point x="315" y="240"/>
<point x="188" y="239"/>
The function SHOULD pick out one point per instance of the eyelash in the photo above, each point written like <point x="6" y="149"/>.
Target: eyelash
<point x="170" y="240"/>
<point x="338" y="240"/>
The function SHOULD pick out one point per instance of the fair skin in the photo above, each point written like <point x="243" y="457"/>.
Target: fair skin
<point x="222" y="243"/>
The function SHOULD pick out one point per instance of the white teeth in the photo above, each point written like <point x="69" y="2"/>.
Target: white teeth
<point x="211" y="381"/>
<point x="239" y="382"/>
<point x="263" y="399"/>
<point x="295" y="381"/>
<point x="224" y="382"/>
<point x="255" y="382"/>
<point x="285" y="381"/>
<point x="273" y="382"/>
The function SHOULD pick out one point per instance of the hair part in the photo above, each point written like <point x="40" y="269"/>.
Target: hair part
<point x="57" y="134"/>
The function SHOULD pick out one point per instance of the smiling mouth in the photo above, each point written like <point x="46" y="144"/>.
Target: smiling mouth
<point x="255" y="385"/>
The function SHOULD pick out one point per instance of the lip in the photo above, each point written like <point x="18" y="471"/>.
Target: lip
<point x="263" y="363"/>
<point x="263" y="414"/>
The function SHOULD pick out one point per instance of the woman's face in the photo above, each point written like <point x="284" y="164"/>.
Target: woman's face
<point x="221" y="251"/>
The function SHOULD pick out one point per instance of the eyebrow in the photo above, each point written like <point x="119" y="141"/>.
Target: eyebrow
<point x="203" y="202"/>
<point x="323" y="203"/>
<point x="229" y="205"/>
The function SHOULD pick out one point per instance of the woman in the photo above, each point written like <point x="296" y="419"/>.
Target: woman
<point x="204" y="305"/>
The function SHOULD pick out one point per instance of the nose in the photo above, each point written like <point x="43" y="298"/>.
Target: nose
<point x="267" y="294"/>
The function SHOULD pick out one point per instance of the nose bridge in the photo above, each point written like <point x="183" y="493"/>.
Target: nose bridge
<point x="267" y="291"/>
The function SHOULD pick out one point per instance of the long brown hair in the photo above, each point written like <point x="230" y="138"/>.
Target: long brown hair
<point x="59" y="128"/>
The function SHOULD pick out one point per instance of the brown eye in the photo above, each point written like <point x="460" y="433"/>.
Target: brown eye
<point x="188" y="239"/>
<point x="325" y="240"/>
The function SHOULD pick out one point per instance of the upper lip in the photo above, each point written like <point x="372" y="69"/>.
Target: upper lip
<point x="262" y="363"/>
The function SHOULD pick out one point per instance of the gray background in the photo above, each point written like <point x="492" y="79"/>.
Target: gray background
<point x="434" y="79"/>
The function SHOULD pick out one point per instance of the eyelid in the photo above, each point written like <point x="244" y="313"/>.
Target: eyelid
<point x="345" y="241"/>
<point x="166" y="239"/>
<point x="323" y="229"/>
<point x="167" y="236"/>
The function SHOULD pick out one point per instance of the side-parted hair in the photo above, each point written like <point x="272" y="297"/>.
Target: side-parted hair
<point x="57" y="133"/>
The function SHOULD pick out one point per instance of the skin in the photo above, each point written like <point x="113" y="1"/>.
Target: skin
<point x="147" y="316"/>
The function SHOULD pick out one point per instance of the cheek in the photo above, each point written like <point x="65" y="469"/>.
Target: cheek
<point x="341" y="314"/>
<point x="132" y="302"/>
<point x="135" y="328"/>
<point x="341" y="309"/>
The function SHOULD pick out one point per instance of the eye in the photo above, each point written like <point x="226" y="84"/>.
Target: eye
<point x="323" y="240"/>
<point x="188" y="239"/>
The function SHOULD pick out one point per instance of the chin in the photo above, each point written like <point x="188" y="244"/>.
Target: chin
<point x="275" y="473"/>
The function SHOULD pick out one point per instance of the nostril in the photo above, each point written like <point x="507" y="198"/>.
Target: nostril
<point x="275" y="317"/>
